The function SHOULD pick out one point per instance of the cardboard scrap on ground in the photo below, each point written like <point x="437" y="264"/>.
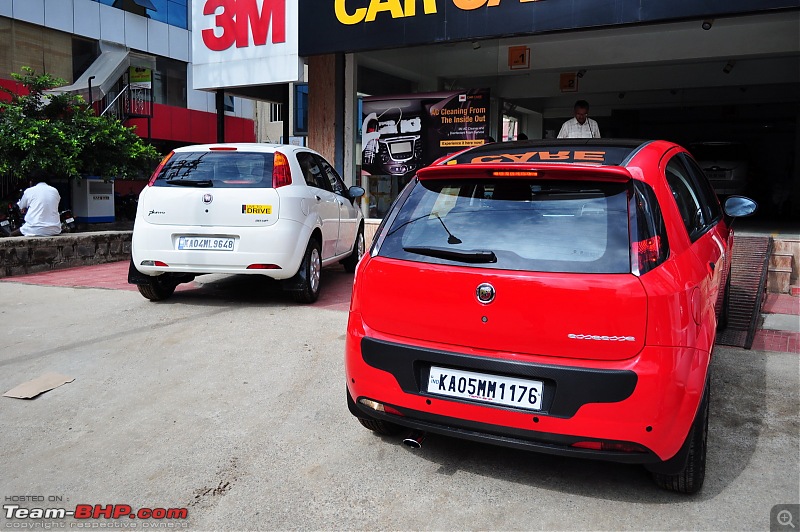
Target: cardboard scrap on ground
<point x="39" y="385"/>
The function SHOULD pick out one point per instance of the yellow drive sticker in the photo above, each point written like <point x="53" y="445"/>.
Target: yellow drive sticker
<point x="256" y="209"/>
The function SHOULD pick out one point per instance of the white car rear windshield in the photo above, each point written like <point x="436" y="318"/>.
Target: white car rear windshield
<point x="217" y="169"/>
<point x="546" y="226"/>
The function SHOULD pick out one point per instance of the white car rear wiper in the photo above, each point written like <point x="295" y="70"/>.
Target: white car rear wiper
<point x="191" y="182"/>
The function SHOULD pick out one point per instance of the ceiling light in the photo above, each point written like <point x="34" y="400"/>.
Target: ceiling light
<point x="707" y="23"/>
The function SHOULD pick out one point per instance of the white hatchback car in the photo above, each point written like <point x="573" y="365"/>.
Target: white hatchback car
<point x="276" y="210"/>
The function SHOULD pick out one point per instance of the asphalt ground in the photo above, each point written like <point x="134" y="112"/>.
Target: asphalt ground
<point x="228" y="401"/>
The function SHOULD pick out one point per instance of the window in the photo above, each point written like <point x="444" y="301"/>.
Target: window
<point x="84" y="52"/>
<point x="541" y="225"/>
<point x="217" y="169"/>
<point x="169" y="82"/>
<point x="687" y="197"/>
<point x="276" y="112"/>
<point x="301" y="109"/>
<point x="333" y="178"/>
<point x="312" y="172"/>
<point x="172" y="12"/>
<point x="710" y="203"/>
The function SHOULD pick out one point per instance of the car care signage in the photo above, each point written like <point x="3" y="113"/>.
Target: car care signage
<point x="403" y="133"/>
<point x="238" y="43"/>
<point x="329" y="26"/>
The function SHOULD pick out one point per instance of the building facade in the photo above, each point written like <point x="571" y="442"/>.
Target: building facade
<point x="133" y="56"/>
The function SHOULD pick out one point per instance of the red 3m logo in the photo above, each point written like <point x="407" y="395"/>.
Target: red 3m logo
<point x="239" y="17"/>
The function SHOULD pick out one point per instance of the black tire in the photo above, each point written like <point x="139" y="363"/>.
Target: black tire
<point x="158" y="288"/>
<point x="359" y="248"/>
<point x="690" y="480"/>
<point x="379" y="426"/>
<point x="309" y="274"/>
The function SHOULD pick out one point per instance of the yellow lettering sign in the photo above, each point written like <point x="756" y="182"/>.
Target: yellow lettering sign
<point x="396" y="9"/>
<point x="345" y="17"/>
<point x="543" y="156"/>
<point x="256" y="209"/>
<point x="378" y="6"/>
<point x="596" y="156"/>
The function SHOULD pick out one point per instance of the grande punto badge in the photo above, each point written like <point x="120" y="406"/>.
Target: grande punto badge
<point x="485" y="293"/>
<point x="207" y="198"/>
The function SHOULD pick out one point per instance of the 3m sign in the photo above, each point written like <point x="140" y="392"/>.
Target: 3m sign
<point x="244" y="42"/>
<point x="239" y="19"/>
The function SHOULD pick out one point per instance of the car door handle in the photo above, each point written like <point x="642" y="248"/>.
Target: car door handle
<point x="318" y="198"/>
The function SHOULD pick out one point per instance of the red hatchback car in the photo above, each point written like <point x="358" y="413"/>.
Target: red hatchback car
<point x="561" y="296"/>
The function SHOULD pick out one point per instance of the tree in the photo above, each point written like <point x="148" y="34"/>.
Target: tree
<point x="60" y="134"/>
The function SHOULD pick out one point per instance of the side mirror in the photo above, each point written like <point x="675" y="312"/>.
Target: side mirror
<point x="356" y="192"/>
<point x="739" y="206"/>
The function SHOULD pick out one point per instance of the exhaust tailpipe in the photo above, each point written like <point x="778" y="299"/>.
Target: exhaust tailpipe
<point x="414" y="440"/>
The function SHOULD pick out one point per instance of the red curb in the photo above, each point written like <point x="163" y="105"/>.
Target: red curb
<point x="778" y="341"/>
<point x="781" y="304"/>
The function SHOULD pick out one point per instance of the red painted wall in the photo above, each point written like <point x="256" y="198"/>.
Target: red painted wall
<point x="175" y="123"/>
<point x="192" y="127"/>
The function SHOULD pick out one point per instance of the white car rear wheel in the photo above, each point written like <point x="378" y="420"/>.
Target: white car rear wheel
<point x="309" y="274"/>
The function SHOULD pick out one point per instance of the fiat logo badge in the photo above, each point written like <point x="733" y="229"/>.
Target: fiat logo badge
<point x="485" y="293"/>
<point x="207" y="198"/>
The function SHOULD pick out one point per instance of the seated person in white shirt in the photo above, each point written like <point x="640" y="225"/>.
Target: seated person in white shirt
<point x="39" y="204"/>
<point x="580" y="127"/>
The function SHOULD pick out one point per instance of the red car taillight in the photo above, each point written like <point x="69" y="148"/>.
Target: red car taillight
<point x="281" y="173"/>
<point x="647" y="252"/>
<point x="649" y="245"/>
<point x="159" y="167"/>
<point x="610" y="446"/>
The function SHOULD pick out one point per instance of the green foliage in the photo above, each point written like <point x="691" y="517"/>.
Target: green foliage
<point x="61" y="134"/>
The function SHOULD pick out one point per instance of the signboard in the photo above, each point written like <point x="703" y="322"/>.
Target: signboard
<point x="519" y="57"/>
<point x="238" y="43"/>
<point x="401" y="134"/>
<point x="357" y="25"/>
<point x="569" y="82"/>
<point x="140" y="77"/>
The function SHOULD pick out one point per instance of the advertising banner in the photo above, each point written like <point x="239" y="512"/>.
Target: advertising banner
<point x="238" y="43"/>
<point x="402" y="133"/>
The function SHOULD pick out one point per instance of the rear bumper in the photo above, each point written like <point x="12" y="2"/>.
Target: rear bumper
<point x="281" y="244"/>
<point x="649" y="400"/>
<point x="527" y="440"/>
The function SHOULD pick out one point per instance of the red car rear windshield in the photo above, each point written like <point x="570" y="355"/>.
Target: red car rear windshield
<point x="514" y="224"/>
<point x="223" y="169"/>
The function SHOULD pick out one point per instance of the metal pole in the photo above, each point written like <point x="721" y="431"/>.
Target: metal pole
<point x="90" y="92"/>
<point x="220" y="115"/>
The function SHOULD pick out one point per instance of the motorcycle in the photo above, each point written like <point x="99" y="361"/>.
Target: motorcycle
<point x="67" y="221"/>
<point x="125" y="205"/>
<point x="11" y="219"/>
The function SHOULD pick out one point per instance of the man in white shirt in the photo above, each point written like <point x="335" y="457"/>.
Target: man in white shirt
<point x="40" y="205"/>
<point x="580" y="127"/>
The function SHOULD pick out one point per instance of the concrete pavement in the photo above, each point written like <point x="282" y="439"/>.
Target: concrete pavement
<point x="778" y="330"/>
